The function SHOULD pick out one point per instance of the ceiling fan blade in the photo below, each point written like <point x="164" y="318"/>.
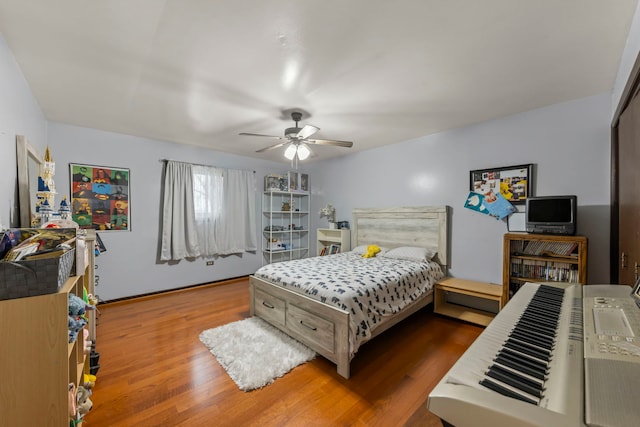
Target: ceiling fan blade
<point x="307" y="131"/>
<point x="347" y="144"/>
<point x="272" y="147"/>
<point x="259" y="134"/>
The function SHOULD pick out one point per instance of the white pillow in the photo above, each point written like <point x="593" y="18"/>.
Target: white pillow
<point x="363" y="249"/>
<point x="410" y="253"/>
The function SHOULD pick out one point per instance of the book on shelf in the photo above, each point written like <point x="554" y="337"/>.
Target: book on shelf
<point x="544" y="270"/>
<point x="46" y="253"/>
<point x="19" y="252"/>
<point x="334" y="249"/>
<point x="542" y="248"/>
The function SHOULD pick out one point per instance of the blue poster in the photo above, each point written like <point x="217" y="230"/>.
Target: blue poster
<point x="497" y="205"/>
<point x="475" y="201"/>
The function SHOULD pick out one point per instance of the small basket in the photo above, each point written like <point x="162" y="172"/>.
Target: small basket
<point x="20" y="279"/>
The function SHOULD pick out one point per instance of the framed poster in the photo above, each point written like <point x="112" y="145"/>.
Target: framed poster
<point x="514" y="183"/>
<point x="100" y="197"/>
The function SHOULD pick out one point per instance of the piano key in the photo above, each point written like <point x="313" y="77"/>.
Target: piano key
<point x="541" y="317"/>
<point x="506" y="391"/>
<point x="535" y="326"/>
<point x="518" y="365"/>
<point x="548" y="300"/>
<point x="524" y="349"/>
<point x="534" y="338"/>
<point x="529" y="379"/>
<point x="541" y="323"/>
<point x="542" y="365"/>
<point x="559" y="374"/>
<point x="514" y="380"/>
<point x="543" y="351"/>
<point x="531" y="328"/>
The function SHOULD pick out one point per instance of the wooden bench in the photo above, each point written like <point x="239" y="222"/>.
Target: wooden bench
<point x="472" y="288"/>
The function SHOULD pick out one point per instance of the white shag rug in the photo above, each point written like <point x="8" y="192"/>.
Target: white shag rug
<point x="253" y="352"/>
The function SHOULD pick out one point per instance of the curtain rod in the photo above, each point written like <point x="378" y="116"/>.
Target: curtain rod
<point x="196" y="164"/>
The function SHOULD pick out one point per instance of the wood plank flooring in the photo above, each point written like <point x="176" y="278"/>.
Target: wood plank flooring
<point x="154" y="371"/>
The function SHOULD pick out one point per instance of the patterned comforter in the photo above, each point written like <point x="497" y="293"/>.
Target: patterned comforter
<point x="368" y="288"/>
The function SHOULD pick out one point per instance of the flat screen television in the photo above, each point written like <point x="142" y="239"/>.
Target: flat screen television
<point x="552" y="215"/>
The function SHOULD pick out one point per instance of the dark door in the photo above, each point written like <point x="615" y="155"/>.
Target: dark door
<point x="629" y="193"/>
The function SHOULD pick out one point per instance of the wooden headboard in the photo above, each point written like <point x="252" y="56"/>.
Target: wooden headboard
<point x="425" y="226"/>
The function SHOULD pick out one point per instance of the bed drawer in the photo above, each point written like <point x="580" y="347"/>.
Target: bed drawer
<point x="268" y="307"/>
<point x="316" y="329"/>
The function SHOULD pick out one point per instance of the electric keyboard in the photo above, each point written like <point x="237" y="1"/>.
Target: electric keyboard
<point x="528" y="366"/>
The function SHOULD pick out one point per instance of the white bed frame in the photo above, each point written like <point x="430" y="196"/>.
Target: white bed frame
<point x="325" y="328"/>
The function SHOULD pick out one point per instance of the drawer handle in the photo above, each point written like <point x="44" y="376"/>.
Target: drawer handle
<point x="313" y="328"/>
<point x="266" y="304"/>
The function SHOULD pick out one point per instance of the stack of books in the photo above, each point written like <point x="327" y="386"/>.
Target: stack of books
<point x="35" y="244"/>
<point x="330" y="250"/>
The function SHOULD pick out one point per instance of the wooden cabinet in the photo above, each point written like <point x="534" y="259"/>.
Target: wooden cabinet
<point x="542" y="258"/>
<point x="332" y="236"/>
<point x="285" y="225"/>
<point x="37" y="362"/>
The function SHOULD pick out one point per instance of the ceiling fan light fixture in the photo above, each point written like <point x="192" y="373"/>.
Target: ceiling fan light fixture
<point x="290" y="152"/>
<point x="303" y="151"/>
<point x="296" y="139"/>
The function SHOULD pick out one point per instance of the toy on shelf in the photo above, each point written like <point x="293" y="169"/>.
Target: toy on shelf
<point x="84" y="402"/>
<point x="45" y="214"/>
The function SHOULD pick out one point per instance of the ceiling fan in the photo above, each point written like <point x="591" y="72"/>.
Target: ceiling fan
<point x="298" y="139"/>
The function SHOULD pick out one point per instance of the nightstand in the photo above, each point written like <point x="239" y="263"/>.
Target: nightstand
<point x="338" y="237"/>
<point x="472" y="288"/>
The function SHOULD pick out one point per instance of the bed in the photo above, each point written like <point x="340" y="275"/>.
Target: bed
<point x="319" y="307"/>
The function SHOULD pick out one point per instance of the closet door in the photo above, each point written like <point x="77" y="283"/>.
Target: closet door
<point x="629" y="193"/>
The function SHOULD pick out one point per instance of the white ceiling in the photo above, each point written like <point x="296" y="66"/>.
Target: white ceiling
<point x="374" y="72"/>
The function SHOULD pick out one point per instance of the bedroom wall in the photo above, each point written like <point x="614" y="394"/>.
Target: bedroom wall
<point x="568" y="143"/>
<point x="130" y="266"/>
<point x="20" y="114"/>
<point x="429" y="170"/>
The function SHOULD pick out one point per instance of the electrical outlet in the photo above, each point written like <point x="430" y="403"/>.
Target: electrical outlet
<point x="209" y="262"/>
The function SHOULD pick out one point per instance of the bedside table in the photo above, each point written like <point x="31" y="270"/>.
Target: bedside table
<point x="472" y="288"/>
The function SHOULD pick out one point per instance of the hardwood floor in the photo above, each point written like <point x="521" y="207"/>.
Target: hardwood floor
<point x="154" y="371"/>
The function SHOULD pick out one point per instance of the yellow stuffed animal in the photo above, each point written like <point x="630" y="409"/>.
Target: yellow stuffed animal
<point x="372" y="250"/>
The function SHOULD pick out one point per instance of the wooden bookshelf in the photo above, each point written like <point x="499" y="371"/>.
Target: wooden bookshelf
<point x="326" y="237"/>
<point x="38" y="363"/>
<point x="542" y="258"/>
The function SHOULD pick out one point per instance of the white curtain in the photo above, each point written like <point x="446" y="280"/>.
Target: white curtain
<point x="222" y="215"/>
<point x="237" y="232"/>
<point x="179" y="233"/>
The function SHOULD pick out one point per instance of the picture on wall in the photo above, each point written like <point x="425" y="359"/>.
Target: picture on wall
<point x="514" y="183"/>
<point x="100" y="197"/>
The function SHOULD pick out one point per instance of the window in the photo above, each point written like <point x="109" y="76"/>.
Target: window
<point x="207" y="193"/>
<point x="207" y="211"/>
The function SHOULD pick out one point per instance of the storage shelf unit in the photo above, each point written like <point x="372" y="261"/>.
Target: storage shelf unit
<point x="38" y="362"/>
<point x="542" y="258"/>
<point x="333" y="236"/>
<point x="452" y="285"/>
<point x="285" y="225"/>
